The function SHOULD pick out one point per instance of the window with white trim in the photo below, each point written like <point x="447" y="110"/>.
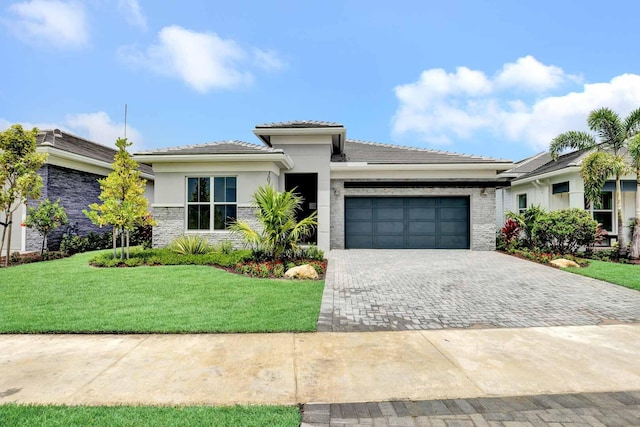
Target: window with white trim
<point x="207" y="210"/>
<point x="604" y="214"/>
<point x="522" y="203"/>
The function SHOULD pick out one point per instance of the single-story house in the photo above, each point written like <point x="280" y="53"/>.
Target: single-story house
<point x="366" y="194"/>
<point x="558" y="184"/>
<point x="70" y="174"/>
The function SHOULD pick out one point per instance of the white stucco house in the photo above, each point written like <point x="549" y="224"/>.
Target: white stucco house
<point x="71" y="174"/>
<point x="366" y="194"/>
<point x="557" y="184"/>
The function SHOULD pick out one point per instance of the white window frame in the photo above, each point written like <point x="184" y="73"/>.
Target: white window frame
<point x="212" y="203"/>
<point x="526" y="202"/>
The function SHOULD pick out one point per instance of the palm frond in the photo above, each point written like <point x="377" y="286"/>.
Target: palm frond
<point x="634" y="151"/>
<point x="574" y="140"/>
<point x="607" y="125"/>
<point x="597" y="167"/>
<point x="632" y="123"/>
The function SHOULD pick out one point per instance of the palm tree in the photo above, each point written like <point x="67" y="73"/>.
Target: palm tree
<point x="276" y="213"/>
<point x="606" y="159"/>
<point x="634" y="153"/>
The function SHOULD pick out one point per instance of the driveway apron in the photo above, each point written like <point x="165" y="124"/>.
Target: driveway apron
<point x="374" y="290"/>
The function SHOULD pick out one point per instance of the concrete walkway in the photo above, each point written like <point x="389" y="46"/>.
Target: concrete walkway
<point x="317" y="367"/>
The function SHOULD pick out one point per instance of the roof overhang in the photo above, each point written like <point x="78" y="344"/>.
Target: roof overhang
<point x="282" y="160"/>
<point x="69" y="160"/>
<point x="559" y="172"/>
<point x="351" y="166"/>
<point x="338" y="135"/>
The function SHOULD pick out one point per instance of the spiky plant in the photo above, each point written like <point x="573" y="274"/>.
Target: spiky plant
<point x="190" y="244"/>
<point x="276" y="213"/>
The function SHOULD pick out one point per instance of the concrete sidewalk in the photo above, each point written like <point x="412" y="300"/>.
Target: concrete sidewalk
<point x="317" y="367"/>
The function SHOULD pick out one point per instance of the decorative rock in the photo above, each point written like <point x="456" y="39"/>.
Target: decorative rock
<point x="301" y="272"/>
<point x="563" y="263"/>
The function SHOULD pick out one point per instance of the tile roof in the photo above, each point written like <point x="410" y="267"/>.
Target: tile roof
<point x="217" y="147"/>
<point x="300" y="124"/>
<point x="377" y="153"/>
<point x="570" y="159"/>
<point x="531" y="163"/>
<point x="83" y="147"/>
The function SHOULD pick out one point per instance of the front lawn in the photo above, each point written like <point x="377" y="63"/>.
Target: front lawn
<point x="49" y="416"/>
<point x="627" y="275"/>
<point x="68" y="295"/>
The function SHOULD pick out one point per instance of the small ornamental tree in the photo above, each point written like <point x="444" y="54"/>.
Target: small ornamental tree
<point x="123" y="206"/>
<point x="46" y="218"/>
<point x="19" y="179"/>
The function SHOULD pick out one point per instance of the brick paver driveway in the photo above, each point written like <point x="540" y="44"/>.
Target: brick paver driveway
<point x="369" y="290"/>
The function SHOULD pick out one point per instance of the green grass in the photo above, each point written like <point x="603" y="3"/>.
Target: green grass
<point x="627" y="275"/>
<point x="69" y="296"/>
<point x="58" y="416"/>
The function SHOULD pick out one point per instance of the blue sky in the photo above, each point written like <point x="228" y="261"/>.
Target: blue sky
<point x="495" y="78"/>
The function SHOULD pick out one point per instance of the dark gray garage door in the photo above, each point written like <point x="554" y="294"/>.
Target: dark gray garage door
<point x="407" y="222"/>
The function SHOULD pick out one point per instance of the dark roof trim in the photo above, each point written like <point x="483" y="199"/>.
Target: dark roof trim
<point x="425" y="184"/>
<point x="296" y="124"/>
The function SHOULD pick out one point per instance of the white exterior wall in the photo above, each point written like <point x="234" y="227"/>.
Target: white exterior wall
<point x="17" y="232"/>
<point x="170" y="200"/>
<point x="311" y="154"/>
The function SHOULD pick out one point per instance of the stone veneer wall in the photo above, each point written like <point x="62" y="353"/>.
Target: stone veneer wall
<point x="171" y="224"/>
<point x="76" y="191"/>
<point x="482" y="206"/>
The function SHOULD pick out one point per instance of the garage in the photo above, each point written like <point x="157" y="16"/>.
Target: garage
<point x="407" y="222"/>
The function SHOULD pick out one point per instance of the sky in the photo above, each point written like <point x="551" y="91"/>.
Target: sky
<point x="493" y="78"/>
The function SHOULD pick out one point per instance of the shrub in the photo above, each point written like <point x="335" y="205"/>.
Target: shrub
<point x="46" y="218"/>
<point x="73" y="244"/>
<point x="134" y="262"/>
<point x="225" y="247"/>
<point x="190" y="244"/>
<point x="97" y="241"/>
<point x="510" y="232"/>
<point x="564" y="231"/>
<point x="311" y="252"/>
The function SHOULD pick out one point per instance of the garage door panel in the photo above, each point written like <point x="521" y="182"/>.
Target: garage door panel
<point x="386" y="213"/>
<point x="359" y="214"/>
<point x="422" y="242"/>
<point x="423" y="227"/>
<point x="359" y="242"/>
<point x="424" y="213"/>
<point x="454" y="242"/>
<point x="361" y="227"/>
<point x="390" y="242"/>
<point x="453" y="213"/>
<point x="453" y="228"/>
<point x="389" y="227"/>
<point x="407" y="222"/>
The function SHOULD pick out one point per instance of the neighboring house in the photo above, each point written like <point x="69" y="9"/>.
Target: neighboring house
<point x="557" y="184"/>
<point x="367" y="195"/>
<point x="70" y="174"/>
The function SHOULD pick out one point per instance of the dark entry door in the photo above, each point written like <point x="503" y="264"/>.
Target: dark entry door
<point x="407" y="222"/>
<point x="305" y="185"/>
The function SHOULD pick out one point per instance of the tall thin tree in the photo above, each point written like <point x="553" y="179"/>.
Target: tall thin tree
<point x="606" y="158"/>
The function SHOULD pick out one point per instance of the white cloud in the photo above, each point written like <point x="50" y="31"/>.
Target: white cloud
<point x="528" y="73"/>
<point x="50" y="22"/>
<point x="97" y="127"/>
<point x="133" y="13"/>
<point x="203" y="61"/>
<point x="450" y="107"/>
<point x="268" y="60"/>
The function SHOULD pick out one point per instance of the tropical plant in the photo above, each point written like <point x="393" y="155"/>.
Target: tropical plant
<point x="19" y="179"/>
<point x="606" y="159"/>
<point x="190" y="244"/>
<point x="526" y="220"/>
<point x="123" y="206"/>
<point x="281" y="232"/>
<point x="46" y="218"/>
